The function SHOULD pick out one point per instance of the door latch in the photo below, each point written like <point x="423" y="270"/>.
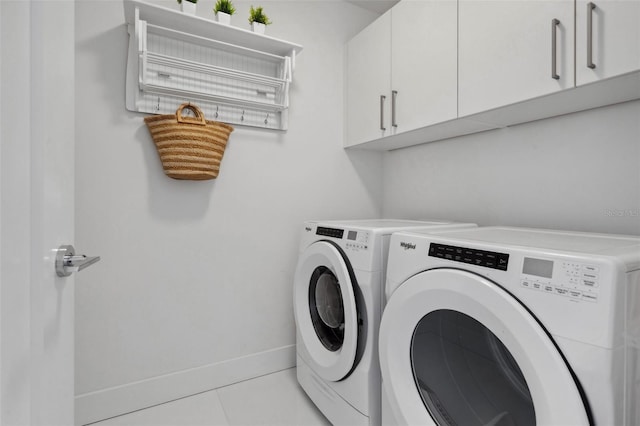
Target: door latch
<point x="67" y="262"/>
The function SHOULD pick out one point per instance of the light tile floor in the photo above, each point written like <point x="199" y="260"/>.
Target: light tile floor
<point x="275" y="399"/>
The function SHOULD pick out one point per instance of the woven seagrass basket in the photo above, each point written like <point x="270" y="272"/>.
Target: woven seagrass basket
<point x="190" y="148"/>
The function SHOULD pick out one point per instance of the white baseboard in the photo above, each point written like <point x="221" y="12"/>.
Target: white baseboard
<point x="103" y="404"/>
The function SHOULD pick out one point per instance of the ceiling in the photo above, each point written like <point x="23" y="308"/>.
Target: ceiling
<point x="377" y="6"/>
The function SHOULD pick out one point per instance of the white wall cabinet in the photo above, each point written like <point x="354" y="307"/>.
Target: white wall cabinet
<point x="610" y="46"/>
<point x="401" y="71"/>
<point x="517" y="61"/>
<point x="507" y="51"/>
<point x="423" y="63"/>
<point x="368" y="81"/>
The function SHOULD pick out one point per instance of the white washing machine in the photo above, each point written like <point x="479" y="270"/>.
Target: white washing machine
<point x="338" y="292"/>
<point x="507" y="326"/>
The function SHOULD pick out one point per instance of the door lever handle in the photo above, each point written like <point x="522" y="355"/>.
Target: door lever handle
<point x="67" y="261"/>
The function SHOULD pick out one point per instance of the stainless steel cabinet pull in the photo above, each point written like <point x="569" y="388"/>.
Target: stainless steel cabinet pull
<point x="554" y="48"/>
<point x="394" y="95"/>
<point x="382" y="98"/>
<point x="68" y="262"/>
<point x="590" y="7"/>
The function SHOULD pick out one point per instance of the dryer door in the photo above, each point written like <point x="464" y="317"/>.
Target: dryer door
<point x="457" y="349"/>
<point x="325" y="310"/>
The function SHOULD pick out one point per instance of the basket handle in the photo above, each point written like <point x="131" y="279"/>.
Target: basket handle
<point x="199" y="115"/>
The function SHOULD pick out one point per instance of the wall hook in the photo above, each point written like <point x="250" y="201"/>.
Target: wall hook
<point x="158" y="104"/>
<point x="266" y="120"/>
<point x="242" y="118"/>
<point x="216" y="114"/>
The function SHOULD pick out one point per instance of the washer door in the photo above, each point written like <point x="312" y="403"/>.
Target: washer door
<point x="457" y="349"/>
<point x="325" y="310"/>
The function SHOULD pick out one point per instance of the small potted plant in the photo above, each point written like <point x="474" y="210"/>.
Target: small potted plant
<point x="224" y="9"/>
<point x="188" y="6"/>
<point x="258" y="19"/>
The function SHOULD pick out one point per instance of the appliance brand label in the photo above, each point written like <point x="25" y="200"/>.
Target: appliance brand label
<point x="306" y="228"/>
<point x="407" y="246"/>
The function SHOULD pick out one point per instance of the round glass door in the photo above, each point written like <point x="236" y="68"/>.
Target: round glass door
<point x="326" y="307"/>
<point x="465" y="375"/>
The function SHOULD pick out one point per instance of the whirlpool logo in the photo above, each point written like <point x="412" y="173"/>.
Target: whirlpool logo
<point x="407" y="246"/>
<point x="306" y="228"/>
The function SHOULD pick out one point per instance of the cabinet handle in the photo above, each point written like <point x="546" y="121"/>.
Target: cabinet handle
<point x="590" y="7"/>
<point x="394" y="94"/>
<point x="554" y="48"/>
<point x="382" y="98"/>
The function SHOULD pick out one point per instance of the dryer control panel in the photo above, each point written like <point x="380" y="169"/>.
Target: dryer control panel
<point x="576" y="280"/>
<point x="488" y="259"/>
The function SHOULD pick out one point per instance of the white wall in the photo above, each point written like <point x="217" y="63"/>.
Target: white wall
<point x="577" y="172"/>
<point x="196" y="275"/>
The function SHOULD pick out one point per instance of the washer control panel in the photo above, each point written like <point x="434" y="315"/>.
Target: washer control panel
<point x="355" y="240"/>
<point x="575" y="280"/>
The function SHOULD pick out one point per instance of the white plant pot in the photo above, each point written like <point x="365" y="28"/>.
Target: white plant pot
<point x="258" y="28"/>
<point x="188" y="7"/>
<point x="223" y="18"/>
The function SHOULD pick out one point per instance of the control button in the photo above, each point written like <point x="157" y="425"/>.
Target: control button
<point x="591" y="269"/>
<point x="575" y="293"/>
<point x="548" y="288"/>
<point x="503" y="260"/>
<point x="561" y="291"/>
<point x="589" y="283"/>
<point x="589" y="297"/>
<point x="526" y="283"/>
<point x="537" y="286"/>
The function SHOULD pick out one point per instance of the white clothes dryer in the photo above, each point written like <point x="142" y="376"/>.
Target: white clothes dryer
<point x="338" y="292"/>
<point x="508" y="326"/>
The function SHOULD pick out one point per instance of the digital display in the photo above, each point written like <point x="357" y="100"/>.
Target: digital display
<point x="351" y="235"/>
<point x="537" y="267"/>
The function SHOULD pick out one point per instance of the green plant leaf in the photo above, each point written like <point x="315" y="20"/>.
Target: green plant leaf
<point x="256" y="14"/>
<point x="225" y="6"/>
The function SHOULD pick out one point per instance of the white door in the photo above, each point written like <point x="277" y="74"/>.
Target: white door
<point x="424" y="59"/>
<point x="325" y="311"/>
<point x="610" y="46"/>
<point x="506" y="51"/>
<point x="368" y="82"/>
<point x="36" y="211"/>
<point x="456" y="348"/>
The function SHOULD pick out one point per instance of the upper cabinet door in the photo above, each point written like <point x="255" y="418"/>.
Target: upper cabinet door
<point x="607" y="38"/>
<point x="368" y="80"/>
<point x="506" y="54"/>
<point x="423" y="63"/>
